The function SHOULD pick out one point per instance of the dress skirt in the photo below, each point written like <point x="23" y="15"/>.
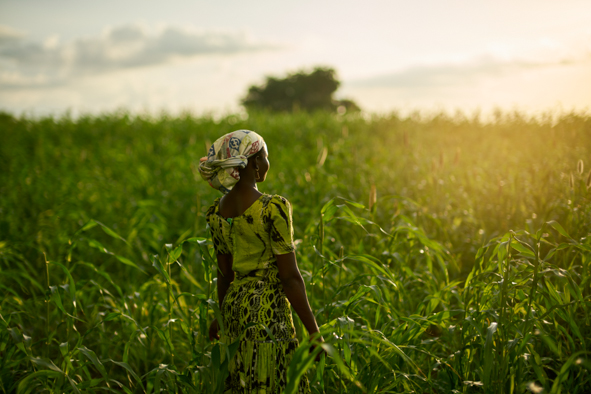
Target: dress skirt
<point x="260" y="364"/>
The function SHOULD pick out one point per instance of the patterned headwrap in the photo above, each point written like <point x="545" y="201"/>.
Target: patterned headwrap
<point x="226" y="155"/>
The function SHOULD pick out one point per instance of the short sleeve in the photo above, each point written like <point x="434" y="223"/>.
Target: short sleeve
<point x="215" y="224"/>
<point x="281" y="228"/>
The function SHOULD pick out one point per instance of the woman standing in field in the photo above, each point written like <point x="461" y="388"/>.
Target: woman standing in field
<point x="258" y="276"/>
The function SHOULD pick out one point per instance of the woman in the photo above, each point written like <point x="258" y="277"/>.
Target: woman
<point x="258" y="276"/>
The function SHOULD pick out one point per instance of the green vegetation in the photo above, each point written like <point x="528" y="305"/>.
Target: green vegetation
<point x="441" y="254"/>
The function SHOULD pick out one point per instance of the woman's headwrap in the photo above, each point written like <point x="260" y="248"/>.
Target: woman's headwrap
<point x="226" y="155"/>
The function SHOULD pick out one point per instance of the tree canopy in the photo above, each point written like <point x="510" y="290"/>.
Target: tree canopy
<point x="299" y="91"/>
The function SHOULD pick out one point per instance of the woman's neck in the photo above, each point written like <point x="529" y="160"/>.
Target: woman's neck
<point x="239" y="199"/>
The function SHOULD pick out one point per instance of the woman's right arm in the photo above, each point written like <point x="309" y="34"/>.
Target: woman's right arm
<point x="295" y="290"/>
<point x="289" y="274"/>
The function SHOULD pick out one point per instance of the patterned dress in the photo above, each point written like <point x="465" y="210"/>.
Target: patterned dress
<point x="256" y="294"/>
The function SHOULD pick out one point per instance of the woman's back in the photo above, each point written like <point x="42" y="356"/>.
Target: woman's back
<point x="255" y="237"/>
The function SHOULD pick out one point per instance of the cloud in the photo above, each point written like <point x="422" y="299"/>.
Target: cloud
<point x="124" y="47"/>
<point x="9" y="36"/>
<point x="452" y="74"/>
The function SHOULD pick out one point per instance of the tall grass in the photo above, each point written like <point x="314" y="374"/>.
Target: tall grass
<point x="466" y="271"/>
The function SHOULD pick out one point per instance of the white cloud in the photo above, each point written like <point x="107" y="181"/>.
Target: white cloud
<point x="498" y="59"/>
<point x="453" y="74"/>
<point x="53" y="63"/>
<point x="8" y="35"/>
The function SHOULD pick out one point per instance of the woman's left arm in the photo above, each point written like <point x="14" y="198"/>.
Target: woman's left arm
<point x="225" y="275"/>
<point x="225" y="278"/>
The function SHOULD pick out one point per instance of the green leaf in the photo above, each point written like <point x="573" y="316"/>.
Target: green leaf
<point x="326" y="206"/>
<point x="111" y="316"/>
<point x="336" y="358"/>
<point x="488" y="353"/>
<point x="351" y="217"/>
<point x="176" y="253"/>
<point x="129" y="369"/>
<point x="352" y="203"/>
<point x="405" y="357"/>
<point x="127" y="261"/>
<point x="57" y="299"/>
<point x="73" y="384"/>
<point x="522" y="249"/>
<point x="94" y="359"/>
<point x="64" y="348"/>
<point x="197" y="240"/>
<point x="360" y="293"/>
<point x="501" y="251"/>
<point x="183" y="236"/>
<point x="559" y="228"/>
<point x="301" y="361"/>
<point x="564" y="370"/>
<point x="24" y="385"/>
<point x="191" y="279"/>
<point x="96" y="244"/>
<point x="123" y="315"/>
<point x="90" y="224"/>
<point x="216" y="357"/>
<point x="185" y="294"/>
<point x="347" y="353"/>
<point x="329" y="214"/>
<point x="373" y="263"/>
<point x="70" y="281"/>
<point x="104" y="275"/>
<point x="158" y="265"/>
<point x="328" y="210"/>
<point x="47" y="364"/>
<point x="112" y="233"/>
<point x="551" y="344"/>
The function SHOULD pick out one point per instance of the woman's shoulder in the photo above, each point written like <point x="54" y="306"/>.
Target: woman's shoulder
<point x="277" y="206"/>
<point x="277" y="197"/>
<point x="269" y="200"/>
<point x="213" y="208"/>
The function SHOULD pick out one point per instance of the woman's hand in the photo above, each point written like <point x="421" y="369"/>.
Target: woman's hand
<point x="317" y="340"/>
<point x="214" y="327"/>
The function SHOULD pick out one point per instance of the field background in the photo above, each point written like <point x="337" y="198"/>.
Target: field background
<point x="441" y="254"/>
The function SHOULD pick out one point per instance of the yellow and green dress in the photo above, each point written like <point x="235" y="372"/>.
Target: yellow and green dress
<point x="256" y="294"/>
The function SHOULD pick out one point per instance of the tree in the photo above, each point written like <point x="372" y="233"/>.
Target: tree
<point x="300" y="90"/>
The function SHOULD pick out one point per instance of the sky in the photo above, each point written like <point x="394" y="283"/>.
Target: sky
<point x="201" y="56"/>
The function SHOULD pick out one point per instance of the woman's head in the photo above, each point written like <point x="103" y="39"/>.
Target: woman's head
<point x="230" y="153"/>
<point x="260" y="164"/>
